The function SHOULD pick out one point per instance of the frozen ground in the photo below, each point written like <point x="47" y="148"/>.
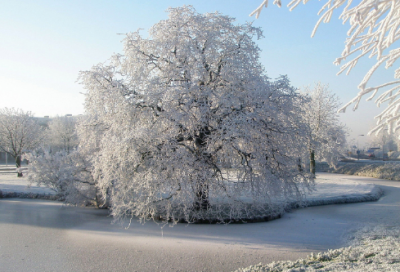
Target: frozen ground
<point x="39" y="235"/>
<point x="337" y="189"/>
<point x="330" y="189"/>
<point x="377" y="169"/>
<point x="376" y="249"/>
<point x="12" y="186"/>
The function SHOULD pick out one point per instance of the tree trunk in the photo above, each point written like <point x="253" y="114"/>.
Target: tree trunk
<point x="299" y="165"/>
<point x="18" y="164"/>
<point x="202" y="202"/>
<point x="312" y="162"/>
<point x="100" y="202"/>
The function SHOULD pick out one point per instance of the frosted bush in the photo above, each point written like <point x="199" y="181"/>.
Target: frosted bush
<point x="69" y="175"/>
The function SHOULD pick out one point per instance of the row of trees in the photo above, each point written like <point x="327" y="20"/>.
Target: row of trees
<point x="186" y="125"/>
<point x="18" y="133"/>
<point x="21" y="132"/>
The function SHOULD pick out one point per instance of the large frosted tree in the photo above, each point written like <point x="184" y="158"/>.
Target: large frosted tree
<point x="374" y="28"/>
<point x="185" y="124"/>
<point x="19" y="132"/>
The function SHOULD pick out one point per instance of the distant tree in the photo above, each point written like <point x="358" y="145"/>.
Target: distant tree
<point x="62" y="133"/>
<point x="384" y="142"/>
<point x="374" y="27"/>
<point x="185" y="124"/>
<point x="326" y="136"/>
<point x="19" y="132"/>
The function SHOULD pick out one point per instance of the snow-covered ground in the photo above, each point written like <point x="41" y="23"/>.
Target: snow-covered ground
<point x="12" y="186"/>
<point x="372" y="248"/>
<point x="376" y="249"/>
<point x="377" y="169"/>
<point x="40" y="235"/>
<point x="337" y="189"/>
<point x="328" y="190"/>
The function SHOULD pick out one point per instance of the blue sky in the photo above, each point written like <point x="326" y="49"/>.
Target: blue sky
<point x="44" y="45"/>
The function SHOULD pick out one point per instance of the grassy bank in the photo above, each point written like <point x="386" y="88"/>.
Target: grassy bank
<point x="375" y="169"/>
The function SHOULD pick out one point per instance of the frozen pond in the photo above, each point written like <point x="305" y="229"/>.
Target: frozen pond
<point x="38" y="235"/>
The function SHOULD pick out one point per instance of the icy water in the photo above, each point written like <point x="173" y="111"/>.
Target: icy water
<point x="38" y="235"/>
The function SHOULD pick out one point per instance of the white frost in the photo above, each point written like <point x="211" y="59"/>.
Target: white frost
<point x="375" y="249"/>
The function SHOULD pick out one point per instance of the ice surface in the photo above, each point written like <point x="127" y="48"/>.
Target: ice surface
<point x="38" y="235"/>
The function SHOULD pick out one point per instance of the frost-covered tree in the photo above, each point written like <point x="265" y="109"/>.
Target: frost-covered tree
<point x="185" y="125"/>
<point x="19" y="132"/>
<point x="374" y="27"/>
<point x="65" y="167"/>
<point x="385" y="142"/>
<point x="62" y="133"/>
<point x="68" y="174"/>
<point x="326" y="136"/>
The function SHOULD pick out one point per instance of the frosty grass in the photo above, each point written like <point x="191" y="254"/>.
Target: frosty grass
<point x="380" y="170"/>
<point x="371" y="249"/>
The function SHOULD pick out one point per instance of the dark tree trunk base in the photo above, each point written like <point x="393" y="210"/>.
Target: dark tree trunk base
<point x="18" y="165"/>
<point x="202" y="206"/>
<point x="233" y="221"/>
<point x="312" y="162"/>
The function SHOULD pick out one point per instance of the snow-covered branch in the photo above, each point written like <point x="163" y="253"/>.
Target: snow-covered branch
<point x="374" y="28"/>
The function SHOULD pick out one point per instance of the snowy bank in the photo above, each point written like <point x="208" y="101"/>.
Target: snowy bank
<point x="11" y="186"/>
<point x="374" y="249"/>
<point x="337" y="189"/>
<point x="328" y="190"/>
<point x="373" y="169"/>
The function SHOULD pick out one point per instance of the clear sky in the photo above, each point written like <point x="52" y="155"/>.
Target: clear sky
<point x="45" y="43"/>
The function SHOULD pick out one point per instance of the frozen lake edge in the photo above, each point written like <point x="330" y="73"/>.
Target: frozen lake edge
<point x="328" y="191"/>
<point x="82" y="239"/>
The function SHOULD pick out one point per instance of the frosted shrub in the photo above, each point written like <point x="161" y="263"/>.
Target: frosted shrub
<point x="69" y="175"/>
